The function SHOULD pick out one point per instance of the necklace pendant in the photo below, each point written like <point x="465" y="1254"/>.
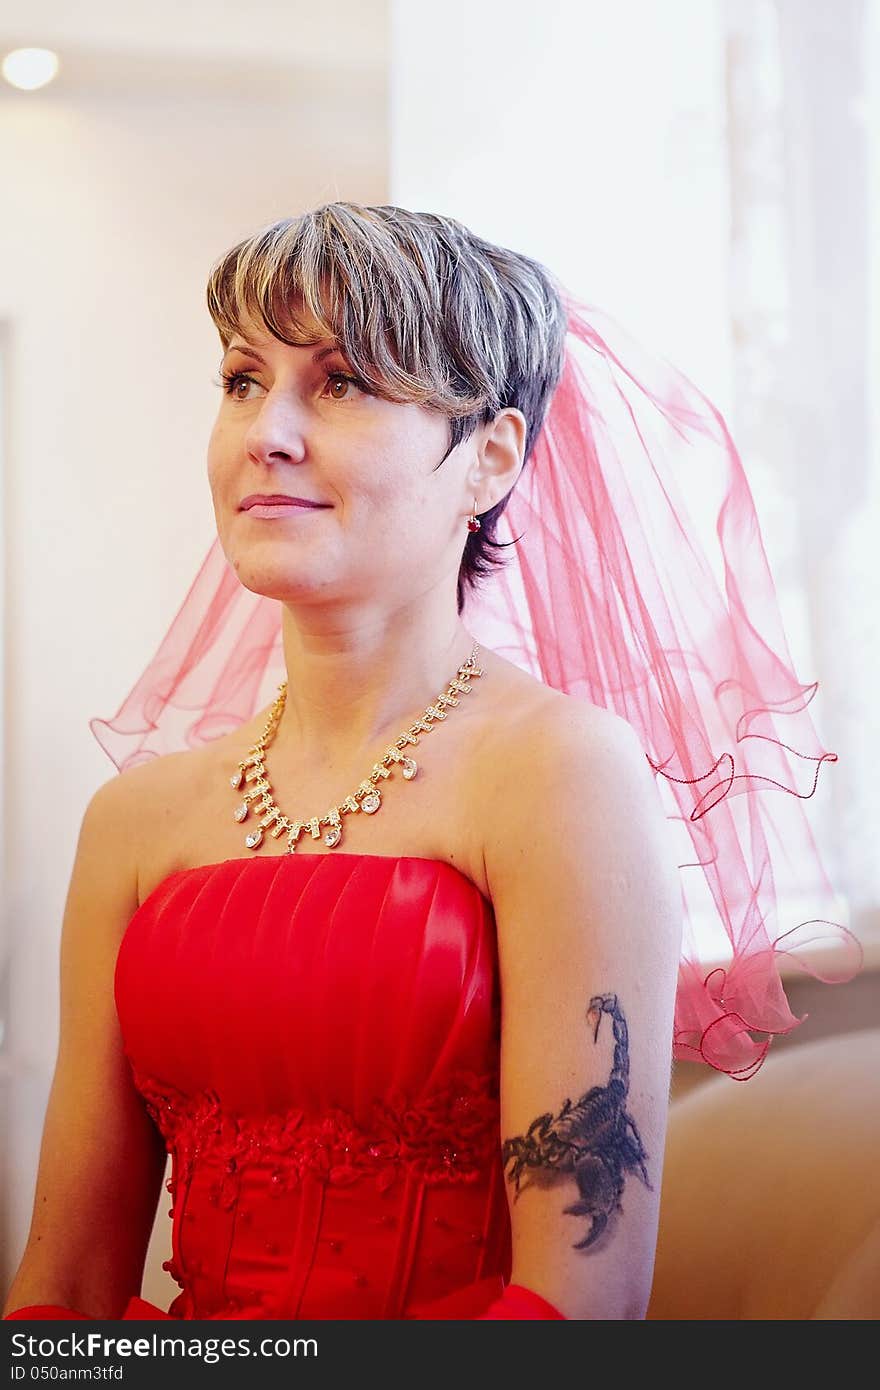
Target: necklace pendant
<point x="250" y="776"/>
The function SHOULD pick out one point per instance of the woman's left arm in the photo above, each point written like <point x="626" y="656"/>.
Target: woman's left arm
<point x="588" y="906"/>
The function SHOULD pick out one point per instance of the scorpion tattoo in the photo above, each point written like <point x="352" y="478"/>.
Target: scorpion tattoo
<point x="594" y="1138"/>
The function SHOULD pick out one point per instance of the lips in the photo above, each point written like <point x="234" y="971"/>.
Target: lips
<point x="279" y="499"/>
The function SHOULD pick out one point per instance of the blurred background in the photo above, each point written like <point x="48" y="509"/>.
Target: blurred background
<point x="707" y="171"/>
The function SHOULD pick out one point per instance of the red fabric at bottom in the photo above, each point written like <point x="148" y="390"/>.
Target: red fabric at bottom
<point x="519" y="1302"/>
<point x="515" y="1302"/>
<point x="39" y="1312"/>
<point x="46" y="1312"/>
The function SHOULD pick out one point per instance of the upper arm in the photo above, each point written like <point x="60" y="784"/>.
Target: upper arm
<point x="588" y="908"/>
<point x="101" y="1158"/>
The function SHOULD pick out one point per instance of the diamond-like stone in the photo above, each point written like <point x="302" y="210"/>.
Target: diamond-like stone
<point x="240" y="812"/>
<point x="333" y="836"/>
<point x="410" y="768"/>
<point x="370" y="803"/>
<point x="236" y="779"/>
<point x="255" y="838"/>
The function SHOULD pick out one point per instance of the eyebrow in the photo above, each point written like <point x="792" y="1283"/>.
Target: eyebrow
<point x="252" y="352"/>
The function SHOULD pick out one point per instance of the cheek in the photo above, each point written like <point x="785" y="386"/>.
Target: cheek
<point x="216" y="456"/>
<point x="396" y="477"/>
<point x="371" y="480"/>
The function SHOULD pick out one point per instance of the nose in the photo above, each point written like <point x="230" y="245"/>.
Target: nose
<point x="276" y="434"/>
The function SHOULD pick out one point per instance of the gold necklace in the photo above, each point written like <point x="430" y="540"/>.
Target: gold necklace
<point x="252" y="769"/>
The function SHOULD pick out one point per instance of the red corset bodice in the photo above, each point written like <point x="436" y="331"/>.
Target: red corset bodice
<point x="317" y="1039"/>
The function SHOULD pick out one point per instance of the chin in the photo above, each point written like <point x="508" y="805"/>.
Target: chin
<point x="271" y="581"/>
<point x="282" y="587"/>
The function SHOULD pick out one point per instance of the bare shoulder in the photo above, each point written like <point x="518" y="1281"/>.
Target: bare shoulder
<point x="543" y="728"/>
<point x="548" y="774"/>
<point x="144" y="804"/>
<point x="562" y="716"/>
<point x="113" y="813"/>
<point x="105" y="862"/>
<point x="138" y="793"/>
<point x="576" y="755"/>
<point x="533" y="710"/>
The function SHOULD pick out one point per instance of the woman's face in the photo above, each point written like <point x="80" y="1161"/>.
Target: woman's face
<point x="388" y="526"/>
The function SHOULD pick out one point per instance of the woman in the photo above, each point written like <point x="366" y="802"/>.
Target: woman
<point x="424" y="1074"/>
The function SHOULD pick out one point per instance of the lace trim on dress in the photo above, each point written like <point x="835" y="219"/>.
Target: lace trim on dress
<point x="447" y="1136"/>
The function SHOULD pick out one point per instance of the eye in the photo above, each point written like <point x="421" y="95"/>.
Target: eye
<point x="231" y="382"/>
<point x="348" y="380"/>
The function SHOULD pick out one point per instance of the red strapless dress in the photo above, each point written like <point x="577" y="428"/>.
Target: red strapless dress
<point x="317" y="1039"/>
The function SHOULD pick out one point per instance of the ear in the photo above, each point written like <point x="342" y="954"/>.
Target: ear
<point x="499" y="459"/>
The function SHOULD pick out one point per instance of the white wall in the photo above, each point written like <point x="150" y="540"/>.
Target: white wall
<point x="171" y="133"/>
<point x="585" y="134"/>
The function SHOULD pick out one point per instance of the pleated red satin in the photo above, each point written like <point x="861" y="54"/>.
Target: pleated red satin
<point x="317" y="1038"/>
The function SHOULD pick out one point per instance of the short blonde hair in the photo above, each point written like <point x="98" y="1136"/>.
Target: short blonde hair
<point x="424" y="310"/>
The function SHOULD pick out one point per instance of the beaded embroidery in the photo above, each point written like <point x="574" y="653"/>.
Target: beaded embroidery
<point x="448" y="1136"/>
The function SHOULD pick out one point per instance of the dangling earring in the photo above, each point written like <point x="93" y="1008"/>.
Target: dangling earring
<point x="473" y="523"/>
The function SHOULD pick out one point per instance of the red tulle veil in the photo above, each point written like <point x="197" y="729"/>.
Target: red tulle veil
<point x="609" y="593"/>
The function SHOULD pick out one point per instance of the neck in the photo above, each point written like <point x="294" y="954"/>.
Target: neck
<point x="351" y="688"/>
